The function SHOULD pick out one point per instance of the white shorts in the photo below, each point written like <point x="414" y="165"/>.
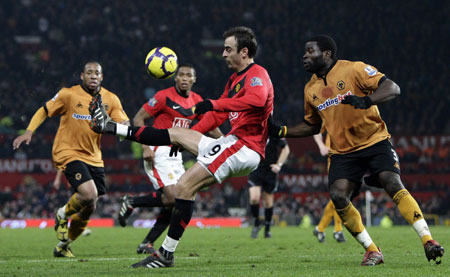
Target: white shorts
<point x="226" y="157"/>
<point x="166" y="170"/>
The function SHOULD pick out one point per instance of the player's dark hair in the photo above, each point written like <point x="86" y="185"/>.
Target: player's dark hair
<point x="325" y="43"/>
<point x="187" y="65"/>
<point x="91" y="61"/>
<point x="244" y="37"/>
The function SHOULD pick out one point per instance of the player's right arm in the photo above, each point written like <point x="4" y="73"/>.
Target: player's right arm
<point x="139" y="120"/>
<point x="38" y="118"/>
<point x="311" y="124"/>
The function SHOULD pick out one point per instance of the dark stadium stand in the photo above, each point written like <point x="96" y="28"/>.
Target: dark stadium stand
<point x="45" y="44"/>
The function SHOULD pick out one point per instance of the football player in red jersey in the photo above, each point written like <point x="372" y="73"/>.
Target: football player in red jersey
<point x="247" y="102"/>
<point x="171" y="107"/>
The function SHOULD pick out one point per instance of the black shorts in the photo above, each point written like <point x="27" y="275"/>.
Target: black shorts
<point x="375" y="159"/>
<point x="78" y="172"/>
<point x="264" y="178"/>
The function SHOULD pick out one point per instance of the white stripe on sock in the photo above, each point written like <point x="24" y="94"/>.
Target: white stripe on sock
<point x="421" y="228"/>
<point x="170" y="244"/>
<point x="364" y="239"/>
<point x="62" y="212"/>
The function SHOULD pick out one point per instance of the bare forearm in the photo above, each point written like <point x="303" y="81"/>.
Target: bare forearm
<point x="140" y="117"/>
<point x="302" y="130"/>
<point x="283" y="155"/>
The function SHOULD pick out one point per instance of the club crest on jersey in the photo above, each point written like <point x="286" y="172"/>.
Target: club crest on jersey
<point x="340" y="85"/>
<point x="332" y="101"/>
<point x="370" y="71"/>
<point x="106" y="106"/>
<point x="181" y="122"/>
<point x="152" y="102"/>
<point x="255" y="81"/>
<point x="232" y="116"/>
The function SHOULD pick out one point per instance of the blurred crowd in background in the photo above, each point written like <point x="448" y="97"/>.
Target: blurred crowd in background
<point x="46" y="43"/>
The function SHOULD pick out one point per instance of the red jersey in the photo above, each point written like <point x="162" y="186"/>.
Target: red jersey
<point x="247" y="102"/>
<point x="170" y="109"/>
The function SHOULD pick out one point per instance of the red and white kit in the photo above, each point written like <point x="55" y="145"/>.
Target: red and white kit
<point x="169" y="109"/>
<point x="247" y="103"/>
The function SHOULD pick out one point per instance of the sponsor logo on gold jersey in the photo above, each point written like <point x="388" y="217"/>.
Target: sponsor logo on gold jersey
<point x="332" y="101"/>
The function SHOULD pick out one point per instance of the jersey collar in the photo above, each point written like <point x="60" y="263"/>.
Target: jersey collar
<point x="86" y="90"/>
<point x="324" y="77"/>
<point x="245" y="70"/>
<point x="180" y="93"/>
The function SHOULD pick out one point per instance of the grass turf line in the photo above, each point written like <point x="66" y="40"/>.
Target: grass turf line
<point x="220" y="252"/>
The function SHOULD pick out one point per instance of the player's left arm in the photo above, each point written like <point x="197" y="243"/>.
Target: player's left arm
<point x="117" y="113"/>
<point x="368" y="78"/>
<point x="386" y="91"/>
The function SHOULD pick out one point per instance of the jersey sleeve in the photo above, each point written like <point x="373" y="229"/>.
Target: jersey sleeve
<point x="210" y="121"/>
<point x="311" y="114"/>
<point x="256" y="93"/>
<point x="57" y="105"/>
<point x="117" y="113"/>
<point x="155" y="105"/>
<point x="366" y="76"/>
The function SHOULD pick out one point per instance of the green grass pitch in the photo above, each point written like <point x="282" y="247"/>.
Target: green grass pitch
<point x="221" y="252"/>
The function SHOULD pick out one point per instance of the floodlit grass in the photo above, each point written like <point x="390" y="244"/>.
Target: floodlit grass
<point x="220" y="252"/>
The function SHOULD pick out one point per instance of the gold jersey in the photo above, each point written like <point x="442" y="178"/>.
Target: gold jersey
<point x="74" y="139"/>
<point x="349" y="129"/>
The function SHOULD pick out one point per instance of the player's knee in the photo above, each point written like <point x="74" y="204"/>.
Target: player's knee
<point x="254" y="200"/>
<point x="88" y="198"/>
<point x="183" y="191"/>
<point x="168" y="199"/>
<point x="340" y="198"/>
<point x="391" y="182"/>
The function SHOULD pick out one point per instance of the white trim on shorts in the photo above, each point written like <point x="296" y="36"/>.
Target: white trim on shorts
<point x="226" y="157"/>
<point x="166" y="170"/>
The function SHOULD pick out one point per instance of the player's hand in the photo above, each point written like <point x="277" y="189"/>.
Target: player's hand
<point x="26" y="137"/>
<point x="203" y="107"/>
<point x="358" y="102"/>
<point x="174" y="151"/>
<point x="148" y="154"/>
<point x="275" y="168"/>
<point x="324" y="151"/>
<point x="276" y="131"/>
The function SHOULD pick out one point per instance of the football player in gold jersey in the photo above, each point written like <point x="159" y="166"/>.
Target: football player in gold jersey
<point x="76" y="150"/>
<point x="342" y="96"/>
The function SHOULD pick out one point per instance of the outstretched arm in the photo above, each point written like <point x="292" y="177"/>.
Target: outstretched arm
<point x="38" y="118"/>
<point x="300" y="130"/>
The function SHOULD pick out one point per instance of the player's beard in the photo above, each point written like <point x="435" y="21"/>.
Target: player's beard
<point x="317" y="65"/>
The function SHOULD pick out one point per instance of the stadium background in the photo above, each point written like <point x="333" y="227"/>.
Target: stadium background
<point x="45" y="43"/>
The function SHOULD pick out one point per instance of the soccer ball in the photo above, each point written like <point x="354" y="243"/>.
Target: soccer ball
<point x="161" y="62"/>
